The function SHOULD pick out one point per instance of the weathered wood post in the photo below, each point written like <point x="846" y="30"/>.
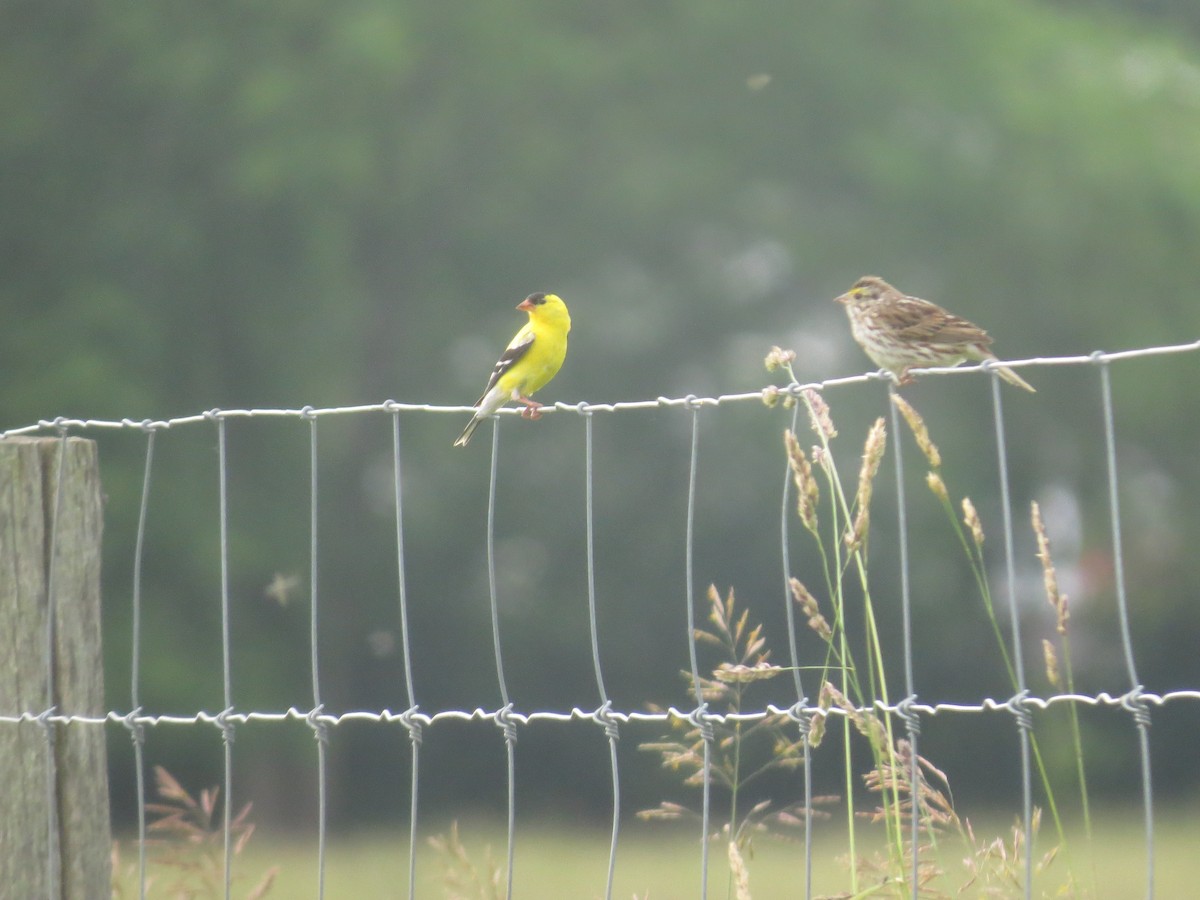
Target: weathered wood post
<point x="55" y="839"/>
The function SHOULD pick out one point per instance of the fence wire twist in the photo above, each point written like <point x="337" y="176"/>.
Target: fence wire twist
<point x="1137" y="702"/>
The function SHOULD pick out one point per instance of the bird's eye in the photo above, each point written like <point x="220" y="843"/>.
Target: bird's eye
<point x="857" y="293"/>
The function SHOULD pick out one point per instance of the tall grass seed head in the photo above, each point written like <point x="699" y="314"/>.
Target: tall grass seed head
<point x="808" y="492"/>
<point x="971" y="520"/>
<point x="1056" y="599"/>
<point x="778" y="358"/>
<point x="919" y="430"/>
<point x="808" y="605"/>
<point x="818" y="414"/>
<point x="1050" y="655"/>
<point x="937" y="486"/>
<point x="873" y="452"/>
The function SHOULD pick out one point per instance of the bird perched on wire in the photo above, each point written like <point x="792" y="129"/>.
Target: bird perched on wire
<point x="899" y="332"/>
<point x="531" y="359"/>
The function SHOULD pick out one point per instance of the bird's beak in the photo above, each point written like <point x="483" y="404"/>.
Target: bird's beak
<point x="844" y="298"/>
<point x="525" y="305"/>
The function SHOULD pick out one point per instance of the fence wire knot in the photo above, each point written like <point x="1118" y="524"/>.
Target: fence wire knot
<point x="906" y="710"/>
<point x="799" y="713"/>
<point x="604" y="716"/>
<point x="1134" y="702"/>
<point x="225" y="723"/>
<point x="412" y="723"/>
<point x="507" y="722"/>
<point x="307" y="413"/>
<point x="1018" y="705"/>
<point x="137" y="731"/>
<point x="318" y="725"/>
<point x="884" y="375"/>
<point x="700" y="719"/>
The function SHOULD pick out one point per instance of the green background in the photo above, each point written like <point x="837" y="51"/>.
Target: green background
<point x="287" y="204"/>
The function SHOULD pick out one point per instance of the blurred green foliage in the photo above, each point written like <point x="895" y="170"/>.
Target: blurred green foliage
<point x="281" y="204"/>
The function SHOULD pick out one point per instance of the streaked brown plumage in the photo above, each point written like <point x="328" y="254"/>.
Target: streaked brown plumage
<point x="899" y="332"/>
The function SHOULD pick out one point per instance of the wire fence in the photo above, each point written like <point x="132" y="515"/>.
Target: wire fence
<point x="1136" y="702"/>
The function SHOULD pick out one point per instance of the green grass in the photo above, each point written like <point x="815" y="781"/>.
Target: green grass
<point x="555" y="860"/>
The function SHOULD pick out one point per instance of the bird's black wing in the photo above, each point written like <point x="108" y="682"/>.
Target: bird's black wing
<point x="512" y="353"/>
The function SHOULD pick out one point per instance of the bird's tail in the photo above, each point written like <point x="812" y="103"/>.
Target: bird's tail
<point x="470" y="430"/>
<point x="1013" y="378"/>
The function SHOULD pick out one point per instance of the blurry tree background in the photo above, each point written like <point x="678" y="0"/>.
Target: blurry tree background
<point x="281" y="204"/>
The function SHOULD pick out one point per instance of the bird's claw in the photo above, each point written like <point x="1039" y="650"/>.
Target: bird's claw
<point x="532" y="410"/>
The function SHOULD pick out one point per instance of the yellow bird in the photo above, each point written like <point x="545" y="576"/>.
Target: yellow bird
<point x="531" y="359"/>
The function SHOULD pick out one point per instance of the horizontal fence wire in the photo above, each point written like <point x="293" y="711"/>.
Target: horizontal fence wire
<point x="583" y="407"/>
<point x="1021" y="705"/>
<point x="603" y="715"/>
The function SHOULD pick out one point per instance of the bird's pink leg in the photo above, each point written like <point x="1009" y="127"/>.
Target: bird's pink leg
<point x="532" y="410"/>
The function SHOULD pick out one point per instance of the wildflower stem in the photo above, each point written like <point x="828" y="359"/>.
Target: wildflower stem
<point x="1077" y="739"/>
<point x="841" y="511"/>
<point x="974" y="551"/>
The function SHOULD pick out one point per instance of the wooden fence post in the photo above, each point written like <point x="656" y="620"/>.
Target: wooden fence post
<point x="55" y="839"/>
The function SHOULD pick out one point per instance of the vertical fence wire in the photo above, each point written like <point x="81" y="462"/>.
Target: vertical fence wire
<point x="320" y="732"/>
<point x="136" y="731"/>
<point x="504" y="718"/>
<point x="604" y="715"/>
<point x="491" y="564"/>
<point x="798" y="711"/>
<point x="223" y="721"/>
<point x="911" y="722"/>
<point x="409" y="718"/>
<point x="699" y="716"/>
<point x="1135" y="704"/>
<point x="53" y="858"/>
<point x="1024" y="718"/>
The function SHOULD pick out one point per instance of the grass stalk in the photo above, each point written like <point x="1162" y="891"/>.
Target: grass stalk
<point x="974" y="553"/>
